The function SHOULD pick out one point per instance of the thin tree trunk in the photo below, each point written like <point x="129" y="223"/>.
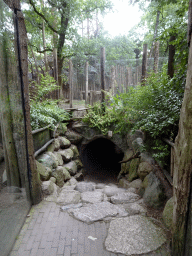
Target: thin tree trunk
<point x="103" y="77"/>
<point x="71" y="83"/>
<point x="155" y="33"/>
<point x="171" y="57"/>
<point x="44" y="46"/>
<point x="183" y="167"/>
<point x="156" y="57"/>
<point x="144" y="65"/>
<point x="86" y="82"/>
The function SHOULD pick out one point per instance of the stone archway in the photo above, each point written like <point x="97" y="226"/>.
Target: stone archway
<point x="101" y="158"/>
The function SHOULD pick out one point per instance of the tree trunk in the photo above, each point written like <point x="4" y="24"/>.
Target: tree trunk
<point x="103" y="77"/>
<point x="183" y="167"/>
<point x="144" y="65"/>
<point x="156" y="57"/>
<point x="171" y="57"/>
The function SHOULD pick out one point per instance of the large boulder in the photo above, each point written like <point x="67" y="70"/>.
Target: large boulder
<point x="67" y="154"/>
<point x="138" y="145"/>
<point x="133" y="169"/>
<point x="124" y="183"/>
<point x="47" y="160"/>
<point x="79" y="164"/>
<point x="168" y="213"/>
<point x="58" y="158"/>
<point x="125" y="166"/>
<point x="64" y="142"/>
<point x="154" y="194"/>
<point x="144" y="169"/>
<point x="44" y="172"/>
<point x="71" y="167"/>
<point x="54" y="146"/>
<point x="47" y="187"/>
<point x="75" y="151"/>
<point x="132" y="136"/>
<point x="136" y="184"/>
<point x="58" y="174"/>
<point x="74" y="137"/>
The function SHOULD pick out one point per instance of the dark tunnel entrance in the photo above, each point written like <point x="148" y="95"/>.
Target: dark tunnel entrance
<point x="100" y="158"/>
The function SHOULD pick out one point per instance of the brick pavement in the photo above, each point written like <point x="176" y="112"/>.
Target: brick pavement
<point x="48" y="231"/>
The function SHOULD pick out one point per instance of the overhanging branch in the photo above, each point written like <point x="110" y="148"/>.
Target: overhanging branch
<point x="43" y="17"/>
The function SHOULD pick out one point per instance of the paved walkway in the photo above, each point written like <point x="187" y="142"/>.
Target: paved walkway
<point x="49" y="231"/>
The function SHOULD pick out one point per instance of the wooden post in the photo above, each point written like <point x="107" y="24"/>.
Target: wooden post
<point x="102" y="76"/>
<point x="86" y="82"/>
<point x="144" y="65"/>
<point x="112" y="80"/>
<point x="71" y="83"/>
<point x="156" y="57"/>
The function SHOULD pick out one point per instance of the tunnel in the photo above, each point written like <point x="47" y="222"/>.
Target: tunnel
<point x="101" y="158"/>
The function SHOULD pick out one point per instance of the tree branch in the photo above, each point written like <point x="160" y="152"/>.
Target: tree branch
<point x="137" y="155"/>
<point x="39" y="51"/>
<point x="43" y="17"/>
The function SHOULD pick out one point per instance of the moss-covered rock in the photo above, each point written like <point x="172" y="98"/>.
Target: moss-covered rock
<point x="58" y="157"/>
<point x="133" y="169"/>
<point x="125" y="166"/>
<point x="74" y="137"/>
<point x="64" y="142"/>
<point x="168" y="213"/>
<point x="67" y="154"/>
<point x="75" y="151"/>
<point x="66" y="174"/>
<point x="47" y="160"/>
<point x="144" y="169"/>
<point x="154" y="194"/>
<point x="58" y="174"/>
<point x="44" y="172"/>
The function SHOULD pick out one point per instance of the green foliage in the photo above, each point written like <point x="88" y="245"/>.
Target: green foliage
<point x="43" y="111"/>
<point x="154" y="108"/>
<point x="47" y="85"/>
<point x="99" y="120"/>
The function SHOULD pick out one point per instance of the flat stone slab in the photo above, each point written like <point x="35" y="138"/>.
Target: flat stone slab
<point x="134" y="235"/>
<point x="92" y="197"/>
<point x="69" y="206"/>
<point x="126" y="197"/>
<point x="112" y="190"/>
<point x="84" y="186"/>
<point x="68" y="197"/>
<point x="134" y="208"/>
<point x="96" y="212"/>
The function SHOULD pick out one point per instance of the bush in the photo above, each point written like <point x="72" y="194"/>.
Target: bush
<point x="43" y="111"/>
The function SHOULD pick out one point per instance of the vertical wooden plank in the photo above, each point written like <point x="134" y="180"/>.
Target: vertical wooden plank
<point x="71" y="83"/>
<point x="86" y="82"/>
<point x="156" y="57"/>
<point x="102" y="76"/>
<point x="112" y="80"/>
<point x="144" y="65"/>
